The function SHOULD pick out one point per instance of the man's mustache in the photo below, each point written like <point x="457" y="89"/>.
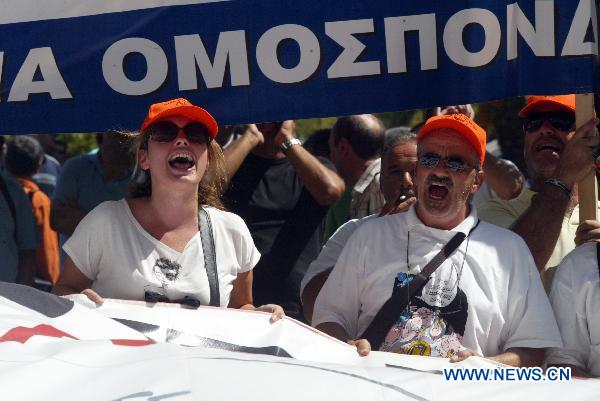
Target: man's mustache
<point x="434" y="179"/>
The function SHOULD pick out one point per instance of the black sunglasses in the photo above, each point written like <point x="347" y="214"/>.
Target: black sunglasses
<point x="167" y="131"/>
<point x="454" y="164"/>
<point x="561" y="121"/>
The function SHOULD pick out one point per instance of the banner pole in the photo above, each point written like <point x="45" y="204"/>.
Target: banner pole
<point x="588" y="187"/>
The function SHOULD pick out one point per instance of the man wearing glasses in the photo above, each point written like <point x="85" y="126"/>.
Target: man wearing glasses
<point x="435" y="280"/>
<point x="557" y="157"/>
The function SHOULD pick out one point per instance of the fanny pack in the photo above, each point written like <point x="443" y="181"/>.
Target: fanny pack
<point x="405" y="288"/>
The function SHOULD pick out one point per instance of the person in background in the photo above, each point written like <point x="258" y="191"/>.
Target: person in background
<point x="557" y="156"/>
<point x="88" y="180"/>
<point x="318" y="143"/>
<point x="23" y="159"/>
<point x="60" y="151"/>
<point x="17" y="232"/>
<point x="170" y="241"/>
<point x="282" y="192"/>
<point x="398" y="162"/>
<point x="49" y="171"/>
<point x="355" y="144"/>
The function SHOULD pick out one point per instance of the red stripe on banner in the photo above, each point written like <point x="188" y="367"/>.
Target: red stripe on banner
<point x="22" y="334"/>
<point x="133" y="343"/>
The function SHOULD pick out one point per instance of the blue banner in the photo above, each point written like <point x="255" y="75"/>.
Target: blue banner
<point x="254" y="61"/>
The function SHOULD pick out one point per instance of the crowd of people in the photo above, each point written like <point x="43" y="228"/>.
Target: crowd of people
<point x="414" y="240"/>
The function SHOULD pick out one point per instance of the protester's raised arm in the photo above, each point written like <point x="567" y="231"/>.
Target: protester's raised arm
<point x="503" y="177"/>
<point x="235" y="153"/>
<point x="322" y="183"/>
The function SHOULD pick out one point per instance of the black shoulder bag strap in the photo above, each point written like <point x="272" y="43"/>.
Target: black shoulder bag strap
<point x="210" y="256"/>
<point x="9" y="200"/>
<point x="403" y="292"/>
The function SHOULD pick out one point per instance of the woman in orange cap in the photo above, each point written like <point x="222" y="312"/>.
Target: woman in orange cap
<point x="171" y="240"/>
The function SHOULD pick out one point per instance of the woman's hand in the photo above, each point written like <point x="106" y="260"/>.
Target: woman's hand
<point x="93" y="296"/>
<point x="276" y="311"/>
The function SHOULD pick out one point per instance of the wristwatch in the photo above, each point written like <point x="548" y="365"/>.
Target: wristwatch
<point x="288" y="143"/>
<point x="560" y="185"/>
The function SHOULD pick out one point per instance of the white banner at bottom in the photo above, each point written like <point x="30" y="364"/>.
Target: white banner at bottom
<point x="56" y="349"/>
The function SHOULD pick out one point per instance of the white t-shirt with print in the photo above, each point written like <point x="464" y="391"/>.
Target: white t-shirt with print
<point x="487" y="296"/>
<point x="124" y="261"/>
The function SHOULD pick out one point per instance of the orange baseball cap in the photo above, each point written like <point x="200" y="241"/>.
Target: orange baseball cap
<point x="180" y="107"/>
<point x="559" y="103"/>
<point x="463" y="126"/>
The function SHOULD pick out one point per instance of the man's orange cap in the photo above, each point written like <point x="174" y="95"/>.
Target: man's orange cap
<point x="463" y="126"/>
<point x="559" y="103"/>
<point x="180" y="107"/>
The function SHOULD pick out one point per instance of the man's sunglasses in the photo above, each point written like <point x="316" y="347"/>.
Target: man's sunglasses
<point x="167" y="131"/>
<point x="454" y="164"/>
<point x="561" y="121"/>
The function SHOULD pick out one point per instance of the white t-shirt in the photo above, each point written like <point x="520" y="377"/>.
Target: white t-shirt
<point x="111" y="248"/>
<point x="575" y="297"/>
<point x="332" y="249"/>
<point x="487" y="296"/>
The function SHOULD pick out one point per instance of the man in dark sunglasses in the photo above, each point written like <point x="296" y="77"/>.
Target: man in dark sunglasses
<point x="557" y="157"/>
<point x="283" y="193"/>
<point x="400" y="286"/>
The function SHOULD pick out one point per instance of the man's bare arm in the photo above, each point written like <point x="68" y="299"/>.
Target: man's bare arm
<point x="541" y="223"/>
<point x="325" y="185"/>
<point x="236" y="153"/>
<point x="322" y="183"/>
<point x="504" y="178"/>
<point x="521" y="357"/>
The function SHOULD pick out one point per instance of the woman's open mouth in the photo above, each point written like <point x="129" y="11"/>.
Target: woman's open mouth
<point x="182" y="161"/>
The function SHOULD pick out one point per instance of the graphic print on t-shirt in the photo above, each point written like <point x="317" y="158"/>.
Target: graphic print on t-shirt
<point x="166" y="271"/>
<point x="433" y="324"/>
